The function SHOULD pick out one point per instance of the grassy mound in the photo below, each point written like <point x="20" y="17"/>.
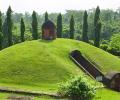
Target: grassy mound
<point x="40" y="64"/>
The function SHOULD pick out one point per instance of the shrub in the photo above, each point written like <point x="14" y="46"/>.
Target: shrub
<point x="115" y="41"/>
<point x="105" y="42"/>
<point x="77" y="88"/>
<point x="113" y="51"/>
<point x="114" y="45"/>
<point x="91" y="42"/>
<point x="104" y="46"/>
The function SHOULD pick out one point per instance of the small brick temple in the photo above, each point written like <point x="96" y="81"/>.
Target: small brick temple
<point x="48" y="30"/>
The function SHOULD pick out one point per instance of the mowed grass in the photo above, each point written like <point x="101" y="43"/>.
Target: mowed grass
<point x="102" y="94"/>
<point x="37" y="65"/>
<point x="5" y="96"/>
<point x="105" y="61"/>
<point x="106" y="94"/>
<point x="40" y="65"/>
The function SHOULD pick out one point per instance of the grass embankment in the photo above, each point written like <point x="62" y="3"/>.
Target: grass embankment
<point x="102" y="94"/>
<point x="40" y="65"/>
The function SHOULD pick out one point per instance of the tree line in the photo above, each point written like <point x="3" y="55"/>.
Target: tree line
<point x="6" y="27"/>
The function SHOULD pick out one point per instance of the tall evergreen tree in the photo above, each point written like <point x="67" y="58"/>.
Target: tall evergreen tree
<point x="1" y="39"/>
<point x="9" y="26"/>
<point x="0" y="21"/>
<point x="59" y="26"/>
<point x="1" y="35"/>
<point x="5" y="33"/>
<point x="97" y="34"/>
<point x="97" y="27"/>
<point x="34" y="26"/>
<point x="72" y="27"/>
<point x="97" y="16"/>
<point x="85" y="27"/>
<point x="22" y="30"/>
<point x="46" y="16"/>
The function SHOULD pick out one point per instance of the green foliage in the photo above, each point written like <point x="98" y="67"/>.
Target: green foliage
<point x="115" y="41"/>
<point x="85" y="28"/>
<point x="46" y="16"/>
<point x="9" y="26"/>
<point x="97" y="34"/>
<point x="91" y="42"/>
<point x="34" y="26"/>
<point x="65" y="33"/>
<point x="72" y="23"/>
<point x="104" y="46"/>
<point x="113" y="51"/>
<point x="0" y="21"/>
<point x="97" y="27"/>
<point x="1" y="40"/>
<point x="112" y="46"/>
<point x="110" y="20"/>
<point x="97" y="16"/>
<point x="1" y="34"/>
<point x="4" y="28"/>
<point x="59" y="26"/>
<point x="22" y="29"/>
<point x="28" y="36"/>
<point x="78" y="88"/>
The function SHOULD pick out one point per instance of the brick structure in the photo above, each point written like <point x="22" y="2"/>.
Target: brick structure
<point x="48" y="30"/>
<point x="113" y="80"/>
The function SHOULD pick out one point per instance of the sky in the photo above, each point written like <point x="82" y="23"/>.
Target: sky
<point x="52" y="6"/>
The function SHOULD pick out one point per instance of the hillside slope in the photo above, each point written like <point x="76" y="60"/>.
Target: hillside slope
<point x="42" y="64"/>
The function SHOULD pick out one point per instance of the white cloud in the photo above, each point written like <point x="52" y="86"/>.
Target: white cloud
<point x="56" y="5"/>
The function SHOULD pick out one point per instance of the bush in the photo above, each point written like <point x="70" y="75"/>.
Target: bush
<point x="91" y="42"/>
<point x="78" y="89"/>
<point x="113" y="51"/>
<point x="105" y="42"/>
<point x="115" y="41"/>
<point x="104" y="46"/>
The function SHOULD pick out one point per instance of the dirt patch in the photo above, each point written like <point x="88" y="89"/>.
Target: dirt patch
<point x="14" y="97"/>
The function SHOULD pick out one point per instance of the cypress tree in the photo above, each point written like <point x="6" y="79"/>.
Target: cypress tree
<point x="85" y="27"/>
<point x="1" y="39"/>
<point x="97" y="15"/>
<point x="59" y="26"/>
<point x="72" y="27"/>
<point x="34" y="26"/>
<point x="97" y="34"/>
<point x="22" y="30"/>
<point x="0" y="21"/>
<point x="5" y="33"/>
<point x="1" y="35"/>
<point x="9" y="26"/>
<point x="46" y="16"/>
<point x="97" y="27"/>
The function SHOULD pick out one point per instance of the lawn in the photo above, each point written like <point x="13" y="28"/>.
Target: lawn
<point x="4" y="96"/>
<point x="36" y="65"/>
<point x="106" y="94"/>
<point x="40" y="65"/>
<point x="102" y="94"/>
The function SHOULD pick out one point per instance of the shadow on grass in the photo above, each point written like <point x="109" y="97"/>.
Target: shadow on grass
<point x="45" y="41"/>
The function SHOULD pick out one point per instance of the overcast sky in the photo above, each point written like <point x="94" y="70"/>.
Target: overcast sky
<point x="41" y="6"/>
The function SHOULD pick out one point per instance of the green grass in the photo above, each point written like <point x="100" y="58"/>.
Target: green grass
<point x="106" y="94"/>
<point x="106" y="62"/>
<point x="102" y="94"/>
<point x="4" y="96"/>
<point x="40" y="65"/>
<point x="37" y="65"/>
